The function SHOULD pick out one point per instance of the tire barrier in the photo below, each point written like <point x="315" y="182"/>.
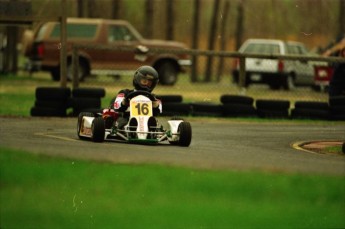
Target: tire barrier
<point x="238" y="106"/>
<point x="54" y="101"/>
<point x="87" y="100"/>
<point x="337" y="108"/>
<point x="272" y="108"/>
<point x="51" y="101"/>
<point x="207" y="109"/>
<point x="310" y="110"/>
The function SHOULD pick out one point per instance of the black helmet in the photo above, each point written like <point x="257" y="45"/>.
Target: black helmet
<point x="145" y="78"/>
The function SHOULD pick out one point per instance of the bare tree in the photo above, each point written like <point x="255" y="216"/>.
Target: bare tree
<point x="80" y="8"/>
<point x="341" y="18"/>
<point x="170" y="19"/>
<point x="211" y="43"/>
<point x="239" y="24"/>
<point x="223" y="39"/>
<point x="149" y="18"/>
<point x="116" y="9"/>
<point x="91" y="8"/>
<point x="195" y="35"/>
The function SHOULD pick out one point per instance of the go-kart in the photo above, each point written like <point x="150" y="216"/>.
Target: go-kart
<point x="142" y="126"/>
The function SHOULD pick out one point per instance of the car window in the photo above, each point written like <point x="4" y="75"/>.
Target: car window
<point x="76" y="31"/>
<point x="296" y="49"/>
<point x="119" y="33"/>
<point x="263" y="48"/>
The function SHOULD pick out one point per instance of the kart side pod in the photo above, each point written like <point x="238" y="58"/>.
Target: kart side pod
<point x="174" y="124"/>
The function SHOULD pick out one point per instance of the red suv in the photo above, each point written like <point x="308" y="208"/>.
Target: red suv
<point x="43" y="50"/>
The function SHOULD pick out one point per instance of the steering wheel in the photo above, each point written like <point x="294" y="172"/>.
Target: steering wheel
<point x="139" y="92"/>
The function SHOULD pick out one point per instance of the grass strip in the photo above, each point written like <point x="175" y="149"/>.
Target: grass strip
<point x="43" y="192"/>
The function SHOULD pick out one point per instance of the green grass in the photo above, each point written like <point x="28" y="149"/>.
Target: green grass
<point x="42" y="192"/>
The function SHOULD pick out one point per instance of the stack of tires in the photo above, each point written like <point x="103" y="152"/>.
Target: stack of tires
<point x="87" y="100"/>
<point x="310" y="110"/>
<point x="172" y="105"/>
<point x="238" y="106"/>
<point x="206" y="109"/>
<point x="267" y="108"/>
<point x="337" y="107"/>
<point x="51" y="101"/>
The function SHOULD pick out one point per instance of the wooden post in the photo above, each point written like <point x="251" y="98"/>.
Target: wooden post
<point x="63" y="48"/>
<point x="242" y="76"/>
<point x="75" y="67"/>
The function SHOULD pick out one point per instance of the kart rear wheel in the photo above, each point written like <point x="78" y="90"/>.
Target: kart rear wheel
<point x="80" y="118"/>
<point x="98" y="129"/>
<point x="185" y="131"/>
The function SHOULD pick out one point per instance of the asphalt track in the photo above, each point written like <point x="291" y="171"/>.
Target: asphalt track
<point x="216" y="144"/>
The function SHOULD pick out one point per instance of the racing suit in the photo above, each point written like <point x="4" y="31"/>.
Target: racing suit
<point x="119" y="107"/>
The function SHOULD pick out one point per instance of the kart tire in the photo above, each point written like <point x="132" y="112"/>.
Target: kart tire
<point x="98" y="130"/>
<point x="207" y="109"/>
<point x="47" y="112"/>
<point x="304" y="113"/>
<point x="176" y="109"/>
<point x="337" y="113"/>
<point x="52" y="104"/>
<point x="185" y="131"/>
<point x="88" y="92"/>
<point x="278" y="114"/>
<point x="52" y="93"/>
<point x="312" y="105"/>
<point x="236" y="99"/>
<point x="80" y="118"/>
<point x="337" y="101"/>
<point x="239" y="110"/>
<point x="272" y="104"/>
<point x="170" y="98"/>
<point x="83" y="104"/>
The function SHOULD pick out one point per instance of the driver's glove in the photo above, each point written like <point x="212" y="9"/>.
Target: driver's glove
<point x="125" y="102"/>
<point x="156" y="103"/>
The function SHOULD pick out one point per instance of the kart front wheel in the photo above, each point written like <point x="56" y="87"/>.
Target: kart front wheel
<point x="80" y="122"/>
<point x="98" y="129"/>
<point x="185" y="131"/>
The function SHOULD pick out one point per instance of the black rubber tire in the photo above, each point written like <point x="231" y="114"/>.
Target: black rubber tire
<point x="47" y="112"/>
<point x="98" y="129"/>
<point x="312" y="105"/>
<point x="168" y="72"/>
<point x="268" y="104"/>
<point x="337" y="101"/>
<point x="170" y="98"/>
<point x="81" y="104"/>
<point x="236" y="99"/>
<point x="301" y="113"/>
<point x="88" y="92"/>
<point x="80" y="117"/>
<point x="185" y="131"/>
<point x="52" y="104"/>
<point x="343" y="147"/>
<point x="239" y="110"/>
<point x="337" y="113"/>
<point x="52" y="93"/>
<point x="277" y="114"/>
<point x="176" y="109"/>
<point x="207" y="109"/>
<point x="83" y="70"/>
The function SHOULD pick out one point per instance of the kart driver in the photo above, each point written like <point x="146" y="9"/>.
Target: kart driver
<point x="145" y="79"/>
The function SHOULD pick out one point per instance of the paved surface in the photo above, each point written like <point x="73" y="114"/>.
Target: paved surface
<point x="216" y="144"/>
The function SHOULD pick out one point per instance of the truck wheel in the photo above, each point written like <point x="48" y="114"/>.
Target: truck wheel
<point x="289" y="82"/>
<point x="82" y="71"/>
<point x="80" y="118"/>
<point x="98" y="129"/>
<point x="167" y="72"/>
<point x="185" y="131"/>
